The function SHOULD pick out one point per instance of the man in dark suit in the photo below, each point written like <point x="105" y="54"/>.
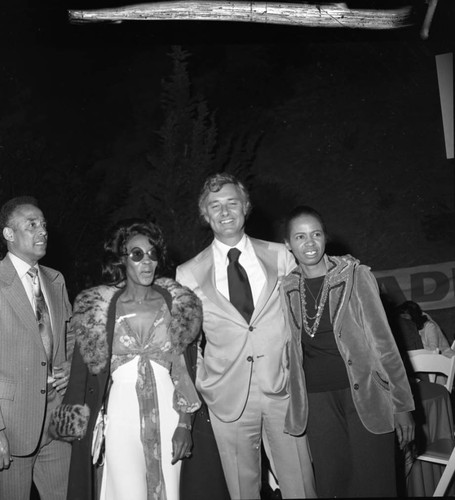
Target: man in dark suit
<point x="34" y="371"/>
<point x="243" y="374"/>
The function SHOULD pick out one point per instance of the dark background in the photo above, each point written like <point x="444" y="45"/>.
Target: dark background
<point x="103" y="121"/>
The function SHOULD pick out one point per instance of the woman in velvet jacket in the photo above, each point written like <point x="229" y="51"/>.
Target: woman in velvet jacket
<point x="348" y="386"/>
<point x="129" y="271"/>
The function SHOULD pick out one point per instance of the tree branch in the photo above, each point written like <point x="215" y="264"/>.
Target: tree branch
<point x="334" y="15"/>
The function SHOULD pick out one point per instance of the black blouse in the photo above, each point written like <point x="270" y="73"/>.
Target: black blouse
<point x="322" y="362"/>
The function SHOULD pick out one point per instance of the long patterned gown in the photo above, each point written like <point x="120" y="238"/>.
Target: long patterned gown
<point x="149" y="384"/>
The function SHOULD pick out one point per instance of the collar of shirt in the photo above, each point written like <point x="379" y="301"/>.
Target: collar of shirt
<point x="20" y="265"/>
<point x="21" y="268"/>
<point x="248" y="259"/>
<point x="220" y="250"/>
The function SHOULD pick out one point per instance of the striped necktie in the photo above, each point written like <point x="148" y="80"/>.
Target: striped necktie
<point x="42" y="314"/>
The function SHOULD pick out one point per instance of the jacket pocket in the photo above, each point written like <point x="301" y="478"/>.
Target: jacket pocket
<point x="7" y="389"/>
<point x="381" y="381"/>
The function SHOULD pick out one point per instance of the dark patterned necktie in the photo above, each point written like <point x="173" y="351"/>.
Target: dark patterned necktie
<point x="239" y="287"/>
<point x="42" y="314"/>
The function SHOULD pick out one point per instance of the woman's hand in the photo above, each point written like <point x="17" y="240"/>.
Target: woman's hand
<point x="181" y="444"/>
<point x="61" y="375"/>
<point x="404" y="427"/>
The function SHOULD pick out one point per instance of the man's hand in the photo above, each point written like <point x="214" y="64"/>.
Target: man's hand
<point x="5" y="457"/>
<point x="404" y="427"/>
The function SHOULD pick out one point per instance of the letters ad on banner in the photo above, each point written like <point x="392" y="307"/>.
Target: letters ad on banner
<point x="431" y="286"/>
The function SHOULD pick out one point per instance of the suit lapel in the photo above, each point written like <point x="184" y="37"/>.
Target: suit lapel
<point x="340" y="282"/>
<point x="340" y="285"/>
<point x="52" y="290"/>
<point x="204" y="272"/>
<point x="292" y="298"/>
<point x="268" y="261"/>
<point x="14" y="293"/>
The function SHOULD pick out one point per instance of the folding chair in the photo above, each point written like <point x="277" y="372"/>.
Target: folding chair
<point x="441" y="452"/>
<point x="429" y="362"/>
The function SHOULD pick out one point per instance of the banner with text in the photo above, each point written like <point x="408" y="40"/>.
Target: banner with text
<point x="431" y="286"/>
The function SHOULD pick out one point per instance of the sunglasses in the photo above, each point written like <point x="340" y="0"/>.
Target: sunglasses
<point x="137" y="254"/>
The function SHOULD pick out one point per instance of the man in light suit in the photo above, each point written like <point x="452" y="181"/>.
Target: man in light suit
<point x="33" y="365"/>
<point x="243" y="374"/>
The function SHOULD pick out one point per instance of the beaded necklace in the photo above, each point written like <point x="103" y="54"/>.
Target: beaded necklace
<point x="311" y="331"/>
<point x="315" y="299"/>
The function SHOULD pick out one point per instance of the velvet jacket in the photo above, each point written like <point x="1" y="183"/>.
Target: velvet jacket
<point x="377" y="377"/>
<point x="93" y="324"/>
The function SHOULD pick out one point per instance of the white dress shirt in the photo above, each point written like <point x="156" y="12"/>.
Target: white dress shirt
<point x="249" y="261"/>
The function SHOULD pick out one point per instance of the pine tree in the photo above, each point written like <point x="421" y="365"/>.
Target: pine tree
<point x="186" y="149"/>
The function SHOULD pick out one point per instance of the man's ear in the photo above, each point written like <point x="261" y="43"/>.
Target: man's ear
<point x="206" y="218"/>
<point x="287" y="245"/>
<point x="8" y="234"/>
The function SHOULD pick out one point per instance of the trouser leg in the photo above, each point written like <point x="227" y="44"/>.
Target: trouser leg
<point x="51" y="469"/>
<point x="289" y="455"/>
<point x="239" y="444"/>
<point x="329" y="444"/>
<point x="16" y="482"/>
<point x="372" y="457"/>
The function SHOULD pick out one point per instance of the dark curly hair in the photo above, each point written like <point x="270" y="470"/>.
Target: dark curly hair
<point x="113" y="268"/>
<point x="413" y="309"/>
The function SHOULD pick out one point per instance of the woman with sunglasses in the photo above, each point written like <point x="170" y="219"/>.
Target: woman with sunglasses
<point x="130" y="336"/>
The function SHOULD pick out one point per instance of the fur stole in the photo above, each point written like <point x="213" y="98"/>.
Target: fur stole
<point x="92" y="309"/>
<point x="90" y="316"/>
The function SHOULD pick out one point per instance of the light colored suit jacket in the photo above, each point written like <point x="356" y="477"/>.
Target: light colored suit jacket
<point x="23" y="363"/>
<point x="234" y="348"/>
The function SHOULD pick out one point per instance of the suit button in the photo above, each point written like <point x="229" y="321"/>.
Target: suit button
<point x="43" y="363"/>
<point x="251" y="328"/>
<point x="356" y="386"/>
<point x="349" y="362"/>
<point x="249" y="359"/>
<point x="43" y="391"/>
<point x="91" y="390"/>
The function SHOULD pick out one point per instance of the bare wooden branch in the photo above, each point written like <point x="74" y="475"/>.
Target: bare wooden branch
<point x="425" y="30"/>
<point x="302" y="14"/>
